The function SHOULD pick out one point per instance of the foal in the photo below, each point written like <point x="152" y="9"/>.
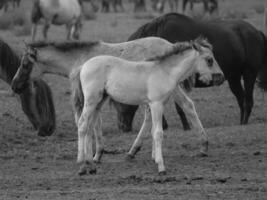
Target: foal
<point x="137" y="83"/>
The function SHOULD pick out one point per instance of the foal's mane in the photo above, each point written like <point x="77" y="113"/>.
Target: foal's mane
<point x="9" y="60"/>
<point x="64" y="46"/>
<point x="180" y="47"/>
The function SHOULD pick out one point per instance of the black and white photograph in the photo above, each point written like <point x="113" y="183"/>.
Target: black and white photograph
<point x="133" y="99"/>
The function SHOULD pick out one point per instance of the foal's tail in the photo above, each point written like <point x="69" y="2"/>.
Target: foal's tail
<point x="77" y="98"/>
<point x="262" y="74"/>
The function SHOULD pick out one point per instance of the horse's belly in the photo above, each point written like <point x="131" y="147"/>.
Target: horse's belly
<point x="128" y="90"/>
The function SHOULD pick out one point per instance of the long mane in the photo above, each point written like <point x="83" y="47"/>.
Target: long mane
<point x="180" y="47"/>
<point x="9" y="60"/>
<point x="64" y="46"/>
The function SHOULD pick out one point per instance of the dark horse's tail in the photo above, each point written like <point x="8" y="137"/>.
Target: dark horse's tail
<point x="262" y="75"/>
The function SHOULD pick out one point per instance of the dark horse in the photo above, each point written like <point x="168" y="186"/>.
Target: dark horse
<point x="239" y="48"/>
<point x="36" y="98"/>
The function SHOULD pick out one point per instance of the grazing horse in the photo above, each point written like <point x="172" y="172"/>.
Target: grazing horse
<point x="58" y="12"/>
<point x="239" y="48"/>
<point x="35" y="96"/>
<point x="62" y="57"/>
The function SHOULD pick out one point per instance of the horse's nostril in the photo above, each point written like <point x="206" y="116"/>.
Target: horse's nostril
<point x="218" y="78"/>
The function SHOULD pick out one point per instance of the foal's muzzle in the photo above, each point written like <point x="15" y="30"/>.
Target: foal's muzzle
<point x="217" y="79"/>
<point x="19" y="87"/>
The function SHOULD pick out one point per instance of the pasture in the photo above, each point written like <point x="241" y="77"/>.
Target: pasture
<point x="32" y="167"/>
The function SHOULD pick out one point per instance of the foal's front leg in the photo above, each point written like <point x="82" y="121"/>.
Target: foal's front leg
<point x="139" y="139"/>
<point x="157" y="134"/>
<point x="188" y="107"/>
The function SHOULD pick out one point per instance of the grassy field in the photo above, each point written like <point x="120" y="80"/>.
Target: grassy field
<point x="45" y="168"/>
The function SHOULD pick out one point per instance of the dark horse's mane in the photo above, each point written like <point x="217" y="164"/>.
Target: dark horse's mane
<point x="64" y="46"/>
<point x="9" y="60"/>
<point x="180" y="47"/>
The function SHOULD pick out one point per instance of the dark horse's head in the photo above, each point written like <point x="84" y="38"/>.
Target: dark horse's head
<point x="35" y="94"/>
<point x="22" y="77"/>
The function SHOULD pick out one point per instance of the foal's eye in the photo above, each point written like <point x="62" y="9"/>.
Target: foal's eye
<point x="209" y="61"/>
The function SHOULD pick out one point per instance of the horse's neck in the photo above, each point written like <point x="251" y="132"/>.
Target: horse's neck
<point x="180" y="67"/>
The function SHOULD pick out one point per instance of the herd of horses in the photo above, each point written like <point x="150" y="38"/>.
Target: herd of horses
<point x="70" y="12"/>
<point x="4" y="4"/>
<point x="173" y="48"/>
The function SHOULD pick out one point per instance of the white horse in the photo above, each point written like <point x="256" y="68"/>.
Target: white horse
<point x="137" y="83"/>
<point x="57" y="12"/>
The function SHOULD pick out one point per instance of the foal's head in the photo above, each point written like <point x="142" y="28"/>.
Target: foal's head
<point x="207" y="68"/>
<point x="21" y="78"/>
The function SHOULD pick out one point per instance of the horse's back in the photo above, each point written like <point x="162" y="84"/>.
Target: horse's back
<point x="144" y="48"/>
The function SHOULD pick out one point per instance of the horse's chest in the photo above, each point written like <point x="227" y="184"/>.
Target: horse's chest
<point x="160" y="86"/>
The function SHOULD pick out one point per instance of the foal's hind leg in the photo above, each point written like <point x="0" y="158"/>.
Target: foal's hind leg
<point x="189" y="108"/>
<point x="85" y="151"/>
<point x="92" y="103"/>
<point x="99" y="140"/>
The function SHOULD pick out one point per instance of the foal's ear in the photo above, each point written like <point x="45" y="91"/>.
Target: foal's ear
<point x="196" y="46"/>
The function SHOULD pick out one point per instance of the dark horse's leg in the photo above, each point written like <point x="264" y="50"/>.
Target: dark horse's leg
<point x="249" y="81"/>
<point x="182" y="115"/>
<point x="126" y="114"/>
<point x="184" y="5"/>
<point x="238" y="91"/>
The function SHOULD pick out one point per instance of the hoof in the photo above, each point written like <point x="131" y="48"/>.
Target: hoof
<point x="165" y="127"/>
<point x="129" y="157"/>
<point x="162" y="173"/>
<point x="82" y="171"/>
<point x="87" y="168"/>
<point x="202" y="154"/>
<point x="97" y="161"/>
<point x="92" y="171"/>
<point x="187" y="128"/>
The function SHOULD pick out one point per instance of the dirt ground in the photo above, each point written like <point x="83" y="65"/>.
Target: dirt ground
<point x="45" y="168"/>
